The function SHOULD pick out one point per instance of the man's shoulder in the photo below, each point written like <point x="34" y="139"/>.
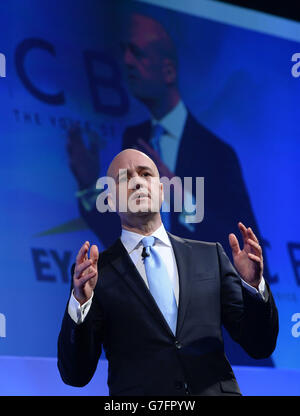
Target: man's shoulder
<point x="202" y="134"/>
<point x="188" y="241"/>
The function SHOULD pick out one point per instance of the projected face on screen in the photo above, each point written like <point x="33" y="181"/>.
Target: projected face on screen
<point x="149" y="57"/>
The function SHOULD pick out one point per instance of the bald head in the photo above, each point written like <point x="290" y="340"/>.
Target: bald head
<point x="130" y="159"/>
<point x="136" y="188"/>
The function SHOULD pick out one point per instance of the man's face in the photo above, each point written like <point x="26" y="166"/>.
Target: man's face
<point x="138" y="187"/>
<point x="143" y="61"/>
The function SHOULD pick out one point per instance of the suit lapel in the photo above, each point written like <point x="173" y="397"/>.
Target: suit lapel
<point x="122" y="263"/>
<point x="182" y="253"/>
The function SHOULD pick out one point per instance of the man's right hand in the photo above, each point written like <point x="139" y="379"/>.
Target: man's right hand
<point x="85" y="273"/>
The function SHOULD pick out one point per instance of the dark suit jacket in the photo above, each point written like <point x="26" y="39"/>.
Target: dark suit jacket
<point x="226" y="200"/>
<point x="144" y="356"/>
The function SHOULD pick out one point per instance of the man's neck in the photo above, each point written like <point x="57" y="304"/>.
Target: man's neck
<point x="159" y="108"/>
<point x="142" y="225"/>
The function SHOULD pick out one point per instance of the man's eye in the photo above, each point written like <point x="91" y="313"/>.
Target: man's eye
<point x="136" y="51"/>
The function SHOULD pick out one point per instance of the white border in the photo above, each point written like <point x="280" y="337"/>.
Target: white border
<point x="235" y="16"/>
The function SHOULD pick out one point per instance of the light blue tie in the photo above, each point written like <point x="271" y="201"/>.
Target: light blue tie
<point x="157" y="132"/>
<point x="155" y="141"/>
<point x="160" y="285"/>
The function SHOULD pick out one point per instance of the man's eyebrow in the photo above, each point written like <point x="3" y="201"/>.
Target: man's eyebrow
<point x="141" y="167"/>
<point x="128" y="171"/>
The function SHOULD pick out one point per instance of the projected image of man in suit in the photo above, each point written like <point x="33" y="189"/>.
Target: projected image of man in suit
<point x="156" y="302"/>
<point x="177" y="143"/>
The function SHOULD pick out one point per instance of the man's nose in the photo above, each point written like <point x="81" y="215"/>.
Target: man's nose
<point x="137" y="182"/>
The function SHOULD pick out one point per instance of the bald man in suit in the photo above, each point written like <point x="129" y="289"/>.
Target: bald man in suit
<point x="163" y="336"/>
<point x="184" y="148"/>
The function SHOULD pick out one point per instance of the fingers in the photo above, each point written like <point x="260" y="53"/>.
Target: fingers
<point x="82" y="278"/>
<point x="254" y="257"/>
<point x="234" y="244"/>
<point x="94" y="254"/>
<point x="83" y="263"/>
<point x="249" y="238"/>
<point x="85" y="273"/>
<point x="257" y="248"/>
<point x="243" y="231"/>
<point x="247" y="232"/>
<point x="83" y="253"/>
<point x="252" y="235"/>
<point x="82" y="267"/>
<point x="85" y="268"/>
<point x="86" y="278"/>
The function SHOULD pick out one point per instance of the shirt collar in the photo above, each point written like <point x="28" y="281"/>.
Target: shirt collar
<point x="174" y="121"/>
<point x="131" y="239"/>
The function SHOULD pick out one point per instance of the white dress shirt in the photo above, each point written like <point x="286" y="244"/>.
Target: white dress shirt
<point x="133" y="244"/>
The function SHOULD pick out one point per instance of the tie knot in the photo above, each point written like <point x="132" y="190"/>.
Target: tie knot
<point x="148" y="241"/>
<point x="157" y="132"/>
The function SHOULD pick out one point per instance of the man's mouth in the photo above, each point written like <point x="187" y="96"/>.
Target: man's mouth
<point x="140" y="195"/>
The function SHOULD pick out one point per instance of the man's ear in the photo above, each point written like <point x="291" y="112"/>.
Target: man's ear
<point x="169" y="71"/>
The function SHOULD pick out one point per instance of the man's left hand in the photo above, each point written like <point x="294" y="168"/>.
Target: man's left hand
<point x="249" y="260"/>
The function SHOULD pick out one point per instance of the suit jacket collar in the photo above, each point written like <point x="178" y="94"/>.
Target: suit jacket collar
<point x="122" y="263"/>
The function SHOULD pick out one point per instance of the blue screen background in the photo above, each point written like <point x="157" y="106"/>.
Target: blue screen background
<point x="237" y="82"/>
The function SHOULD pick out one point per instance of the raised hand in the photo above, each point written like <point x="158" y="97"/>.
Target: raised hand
<point x="85" y="273"/>
<point x="84" y="161"/>
<point x="249" y="260"/>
